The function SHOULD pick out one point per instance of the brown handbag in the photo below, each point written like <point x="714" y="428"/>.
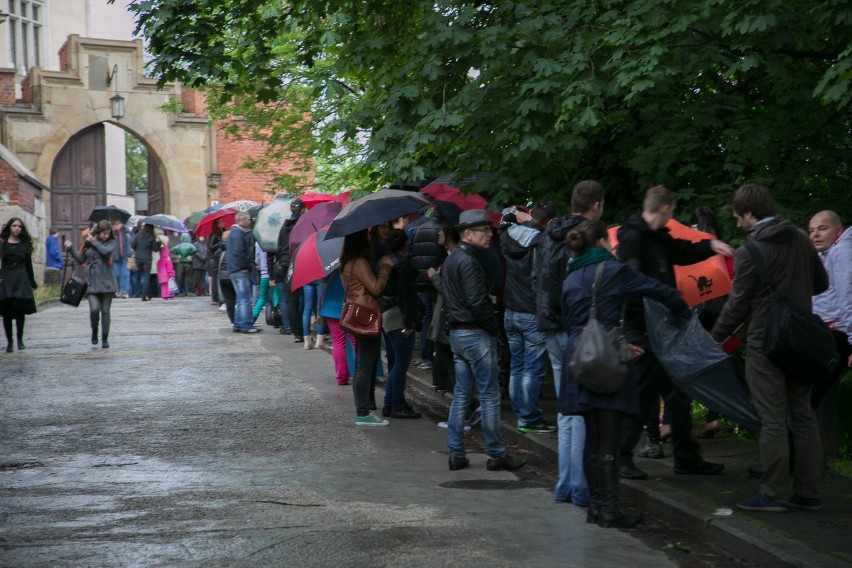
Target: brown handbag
<point x="359" y="320"/>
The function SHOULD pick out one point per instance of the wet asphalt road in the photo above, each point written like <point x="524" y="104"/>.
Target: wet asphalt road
<point x="187" y="445"/>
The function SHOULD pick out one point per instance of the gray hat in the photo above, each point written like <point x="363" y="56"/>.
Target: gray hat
<point x="473" y="218"/>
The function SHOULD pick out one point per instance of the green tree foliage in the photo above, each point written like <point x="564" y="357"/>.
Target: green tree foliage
<point x="136" y="155"/>
<point x="699" y="95"/>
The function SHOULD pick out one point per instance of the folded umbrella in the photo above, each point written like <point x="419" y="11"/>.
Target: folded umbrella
<point x="376" y="208"/>
<point x="108" y="213"/>
<point x="315" y="258"/>
<point x="698" y="366"/>
<point x="165" y="222"/>
<point x="206" y="224"/>
<point x="312" y="221"/>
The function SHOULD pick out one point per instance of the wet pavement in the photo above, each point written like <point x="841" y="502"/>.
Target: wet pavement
<point x="185" y="444"/>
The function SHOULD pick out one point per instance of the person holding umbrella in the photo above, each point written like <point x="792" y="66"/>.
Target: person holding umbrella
<point x="96" y="254"/>
<point x="145" y="243"/>
<point x="363" y="287"/>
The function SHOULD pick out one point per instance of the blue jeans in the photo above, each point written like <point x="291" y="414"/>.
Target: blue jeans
<point x="475" y="357"/>
<point x="403" y="349"/>
<point x="427" y="346"/>
<point x="528" y="347"/>
<point x="557" y="343"/>
<point x="122" y="275"/>
<point x="311" y="294"/>
<point x="283" y="298"/>
<point x="571" y="487"/>
<point x="144" y="269"/>
<point x="242" y="310"/>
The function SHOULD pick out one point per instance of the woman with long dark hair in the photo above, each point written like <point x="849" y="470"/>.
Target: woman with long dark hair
<point x="363" y="286"/>
<point x="96" y="253"/>
<point x="16" y="250"/>
<point x="603" y="413"/>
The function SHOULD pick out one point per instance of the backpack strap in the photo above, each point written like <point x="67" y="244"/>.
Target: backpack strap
<point x="593" y="310"/>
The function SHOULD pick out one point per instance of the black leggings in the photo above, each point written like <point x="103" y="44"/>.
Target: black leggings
<point x="7" y="327"/>
<point x="603" y="435"/>
<point x="99" y="305"/>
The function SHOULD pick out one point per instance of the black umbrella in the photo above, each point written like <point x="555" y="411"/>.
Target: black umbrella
<point x="376" y="208"/>
<point x="108" y="213"/>
<point x="698" y="367"/>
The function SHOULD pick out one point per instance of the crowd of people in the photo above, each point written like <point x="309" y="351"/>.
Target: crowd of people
<point x="498" y="310"/>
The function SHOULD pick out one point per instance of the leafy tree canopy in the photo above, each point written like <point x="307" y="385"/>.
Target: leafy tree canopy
<point x="699" y="95"/>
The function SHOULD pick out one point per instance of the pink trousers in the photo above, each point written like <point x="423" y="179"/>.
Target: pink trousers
<point x="338" y="350"/>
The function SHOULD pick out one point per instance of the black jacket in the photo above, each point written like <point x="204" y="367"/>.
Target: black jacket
<point x="426" y="253"/>
<point x="466" y="289"/>
<point x="400" y="292"/>
<point x="551" y="268"/>
<point x="654" y="253"/>
<point x="518" y="244"/>
<point x="282" y="256"/>
<point x="144" y="245"/>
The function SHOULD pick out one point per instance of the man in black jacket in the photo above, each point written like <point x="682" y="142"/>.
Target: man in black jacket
<point x="426" y="253"/>
<point x="291" y="314"/>
<point x="645" y="243"/>
<point x="520" y="235"/>
<point x="474" y="327"/>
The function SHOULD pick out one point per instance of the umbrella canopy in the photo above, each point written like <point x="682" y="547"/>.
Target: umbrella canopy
<point x="268" y="223"/>
<point x="213" y="208"/>
<point x="315" y="258"/>
<point x="134" y="221"/>
<point x="109" y="213"/>
<point x="241" y="205"/>
<point x="165" y="222"/>
<point x="311" y="198"/>
<point x="191" y="222"/>
<point x="343" y="198"/>
<point x="205" y="226"/>
<point x="374" y="209"/>
<point x="698" y="367"/>
<point x="700" y="282"/>
<point x="312" y="221"/>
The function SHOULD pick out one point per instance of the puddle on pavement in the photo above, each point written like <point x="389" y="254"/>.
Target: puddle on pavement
<point x="8" y="467"/>
<point x="489" y="484"/>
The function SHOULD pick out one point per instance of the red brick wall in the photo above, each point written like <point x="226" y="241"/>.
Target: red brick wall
<point x="7" y="87"/>
<point x="17" y="191"/>
<point x="193" y="101"/>
<point x="26" y="90"/>
<point x="64" y="64"/>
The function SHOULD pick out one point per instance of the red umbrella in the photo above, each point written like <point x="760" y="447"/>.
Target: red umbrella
<point x="343" y="198"/>
<point x="205" y="225"/>
<point x="450" y="201"/>
<point x="311" y="222"/>
<point x="315" y="258"/>
<point x="311" y="198"/>
<point x="700" y="282"/>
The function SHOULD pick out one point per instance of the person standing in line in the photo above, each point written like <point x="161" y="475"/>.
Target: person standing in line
<point x="644" y="243"/>
<point x="363" y="287"/>
<point x="603" y="413"/>
<point x="242" y="270"/>
<point x="331" y="305"/>
<point x="215" y="250"/>
<point x="198" y="282"/>
<point x="53" y="254"/>
<point x="288" y="300"/>
<point x="16" y="269"/>
<point x="144" y="244"/>
<point x="427" y="253"/>
<point x="165" y="269"/>
<point x="185" y="251"/>
<point x="474" y="326"/>
<point x="551" y="268"/>
<point x="96" y="253"/>
<point x="783" y="403"/>
<point x="123" y="251"/>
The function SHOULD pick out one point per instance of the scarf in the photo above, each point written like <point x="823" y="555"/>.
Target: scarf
<point x="591" y="255"/>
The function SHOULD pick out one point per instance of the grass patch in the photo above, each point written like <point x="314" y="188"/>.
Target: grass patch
<point x="46" y="292"/>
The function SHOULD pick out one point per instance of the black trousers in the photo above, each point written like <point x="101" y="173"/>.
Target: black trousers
<point x="228" y="296"/>
<point x="364" y="383"/>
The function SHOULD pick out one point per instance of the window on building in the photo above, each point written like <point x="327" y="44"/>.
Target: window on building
<point x="26" y="18"/>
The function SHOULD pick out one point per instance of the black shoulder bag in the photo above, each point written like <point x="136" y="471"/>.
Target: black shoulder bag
<point x="796" y="340"/>
<point x="74" y="288"/>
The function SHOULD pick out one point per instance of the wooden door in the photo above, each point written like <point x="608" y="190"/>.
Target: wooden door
<point x="78" y="182"/>
<point x="156" y="199"/>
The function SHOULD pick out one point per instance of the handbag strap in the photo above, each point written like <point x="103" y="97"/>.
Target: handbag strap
<point x="593" y="310"/>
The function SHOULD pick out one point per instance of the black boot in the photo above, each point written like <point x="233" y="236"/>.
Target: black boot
<point x="94" y="336"/>
<point x="10" y="347"/>
<point x="612" y="513"/>
<point x="104" y="342"/>
<point x="20" y="334"/>
<point x="592" y="471"/>
<point x="21" y="345"/>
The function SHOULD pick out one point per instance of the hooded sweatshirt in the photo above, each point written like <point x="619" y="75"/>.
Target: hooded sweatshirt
<point x="518" y="244"/>
<point x="185" y="249"/>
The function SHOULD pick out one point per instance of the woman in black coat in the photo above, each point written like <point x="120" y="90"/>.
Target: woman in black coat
<point x="603" y="413"/>
<point x="96" y="254"/>
<point x="18" y="280"/>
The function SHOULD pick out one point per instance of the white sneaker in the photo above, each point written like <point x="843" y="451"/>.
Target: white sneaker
<point x="223" y="308"/>
<point x="444" y="425"/>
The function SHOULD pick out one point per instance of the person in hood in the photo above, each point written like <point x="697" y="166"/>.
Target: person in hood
<point x="288" y="300"/>
<point x="519" y="237"/>
<point x="644" y="242"/>
<point x="551" y="269"/>
<point x="797" y="274"/>
<point x="185" y="251"/>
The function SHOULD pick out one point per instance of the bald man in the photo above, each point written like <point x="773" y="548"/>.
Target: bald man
<point x="834" y="306"/>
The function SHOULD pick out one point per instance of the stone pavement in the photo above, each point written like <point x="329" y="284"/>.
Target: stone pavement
<point x="705" y="505"/>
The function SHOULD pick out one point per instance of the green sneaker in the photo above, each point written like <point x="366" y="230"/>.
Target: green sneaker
<point x="539" y="428"/>
<point x="370" y="420"/>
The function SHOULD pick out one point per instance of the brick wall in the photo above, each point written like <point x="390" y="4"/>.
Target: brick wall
<point x="64" y="63"/>
<point x="193" y="101"/>
<point x="17" y="191"/>
<point x="7" y="87"/>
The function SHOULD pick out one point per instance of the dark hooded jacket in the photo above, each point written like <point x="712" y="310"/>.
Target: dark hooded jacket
<point x="551" y="268"/>
<point x="655" y="253"/>
<point x="282" y="262"/>
<point x="518" y="244"/>
<point x="426" y="253"/>
<point x="795" y="271"/>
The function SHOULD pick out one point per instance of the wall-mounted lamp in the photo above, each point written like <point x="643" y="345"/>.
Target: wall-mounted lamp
<point x="116" y="103"/>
